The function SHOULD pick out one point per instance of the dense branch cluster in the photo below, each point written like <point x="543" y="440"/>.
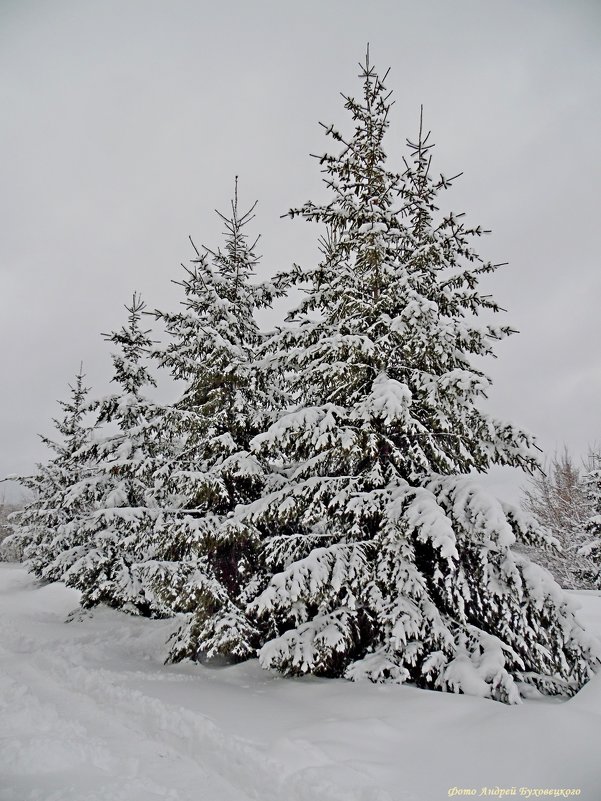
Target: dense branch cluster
<point x="311" y="496"/>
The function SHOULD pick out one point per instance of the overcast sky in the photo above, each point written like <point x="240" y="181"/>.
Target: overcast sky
<point x="124" y="123"/>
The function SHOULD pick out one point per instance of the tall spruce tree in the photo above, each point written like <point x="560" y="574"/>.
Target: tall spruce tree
<point x="207" y="564"/>
<point x="388" y="561"/>
<point x="116" y="534"/>
<point x="41" y="526"/>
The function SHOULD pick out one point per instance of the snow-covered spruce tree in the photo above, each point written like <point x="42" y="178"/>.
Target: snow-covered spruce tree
<point x="388" y="561"/>
<point x="114" y="537"/>
<point x="591" y="549"/>
<point x="40" y="526"/>
<point x="206" y="563"/>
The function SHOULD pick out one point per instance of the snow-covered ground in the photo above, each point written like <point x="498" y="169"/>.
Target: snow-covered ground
<point x="88" y="712"/>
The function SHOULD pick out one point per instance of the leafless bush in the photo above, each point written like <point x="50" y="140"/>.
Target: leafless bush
<point x="558" y="499"/>
<point x="8" y="552"/>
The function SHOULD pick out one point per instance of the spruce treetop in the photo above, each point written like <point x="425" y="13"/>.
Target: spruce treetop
<point x="134" y="343"/>
<point x="213" y="339"/>
<point x="387" y="329"/>
<point x="132" y="451"/>
<point x="74" y="434"/>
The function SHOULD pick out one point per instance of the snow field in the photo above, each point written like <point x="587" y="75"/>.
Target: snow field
<point x="89" y="713"/>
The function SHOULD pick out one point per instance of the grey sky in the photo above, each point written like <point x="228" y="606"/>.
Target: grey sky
<point x="123" y="125"/>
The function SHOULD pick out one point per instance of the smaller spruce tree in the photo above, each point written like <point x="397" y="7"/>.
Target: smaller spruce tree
<point x="41" y="527"/>
<point x="116" y="532"/>
<point x="207" y="563"/>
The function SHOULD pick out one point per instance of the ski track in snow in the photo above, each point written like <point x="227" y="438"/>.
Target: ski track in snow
<point x="88" y="712"/>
